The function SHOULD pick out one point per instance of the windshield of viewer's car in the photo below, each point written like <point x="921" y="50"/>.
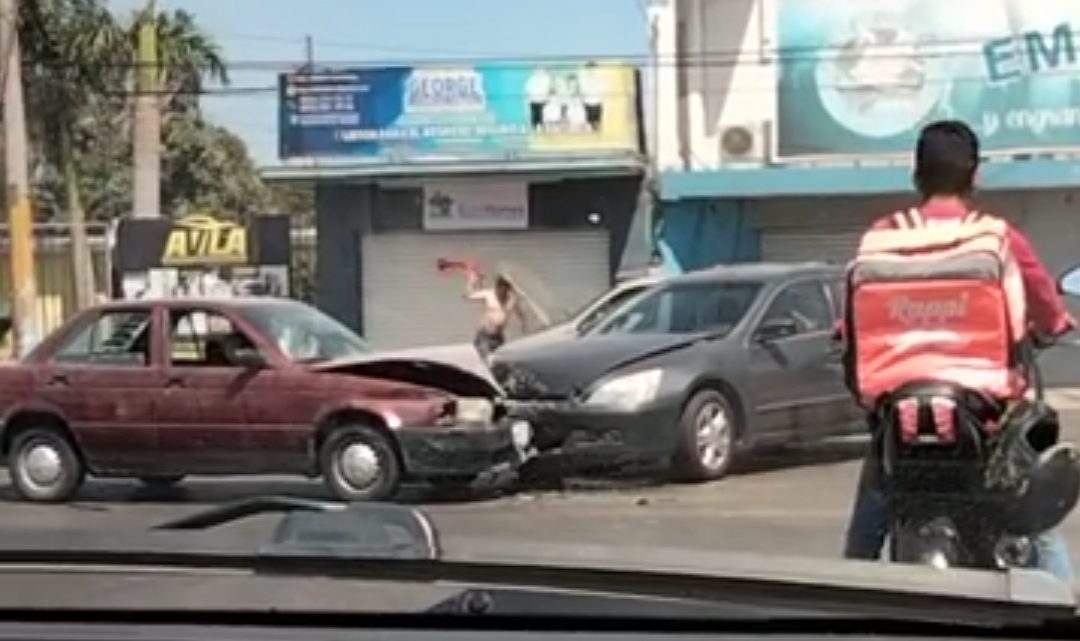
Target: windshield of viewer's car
<point x="686" y="309"/>
<point x="304" y="334"/>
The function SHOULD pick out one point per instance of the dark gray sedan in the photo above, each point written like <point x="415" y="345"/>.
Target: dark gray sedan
<point x="698" y="368"/>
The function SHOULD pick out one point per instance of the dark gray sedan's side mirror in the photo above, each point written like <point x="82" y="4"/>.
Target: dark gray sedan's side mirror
<point x="1069" y="282"/>
<point x="776" y="328"/>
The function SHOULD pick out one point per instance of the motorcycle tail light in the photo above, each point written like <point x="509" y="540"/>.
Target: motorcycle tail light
<point x="944" y="412"/>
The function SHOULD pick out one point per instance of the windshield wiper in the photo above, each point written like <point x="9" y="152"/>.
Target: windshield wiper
<point x="238" y="510"/>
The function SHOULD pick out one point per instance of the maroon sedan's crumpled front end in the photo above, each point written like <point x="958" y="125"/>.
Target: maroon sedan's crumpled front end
<point x="477" y="434"/>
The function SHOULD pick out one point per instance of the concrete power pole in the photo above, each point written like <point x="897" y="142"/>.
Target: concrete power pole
<point x="147" y="145"/>
<point x="26" y="328"/>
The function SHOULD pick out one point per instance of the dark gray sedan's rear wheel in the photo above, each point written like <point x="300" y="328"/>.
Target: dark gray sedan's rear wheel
<point x="359" y="463"/>
<point x="44" y="465"/>
<point x="708" y="432"/>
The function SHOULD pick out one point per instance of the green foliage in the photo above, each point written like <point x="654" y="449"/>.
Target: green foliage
<point x="206" y="168"/>
<point x="80" y="74"/>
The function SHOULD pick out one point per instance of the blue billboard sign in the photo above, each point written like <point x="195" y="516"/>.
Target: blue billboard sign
<point x="452" y="112"/>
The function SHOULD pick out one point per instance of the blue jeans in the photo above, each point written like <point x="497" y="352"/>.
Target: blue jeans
<point x="869" y="527"/>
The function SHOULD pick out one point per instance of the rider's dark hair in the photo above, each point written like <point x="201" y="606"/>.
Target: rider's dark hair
<point x="946" y="158"/>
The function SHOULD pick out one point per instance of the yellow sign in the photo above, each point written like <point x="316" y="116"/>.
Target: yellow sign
<point x="202" y="239"/>
<point x="584" y="107"/>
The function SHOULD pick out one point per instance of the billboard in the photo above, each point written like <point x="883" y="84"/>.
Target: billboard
<point x="486" y="111"/>
<point x="860" y="77"/>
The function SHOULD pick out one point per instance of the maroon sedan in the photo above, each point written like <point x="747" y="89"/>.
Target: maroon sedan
<point x="157" y="390"/>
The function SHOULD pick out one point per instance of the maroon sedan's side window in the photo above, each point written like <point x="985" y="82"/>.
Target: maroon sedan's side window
<point x="114" y="338"/>
<point x="200" y="338"/>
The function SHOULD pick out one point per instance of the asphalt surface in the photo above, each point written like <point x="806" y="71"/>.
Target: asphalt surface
<point x="783" y="502"/>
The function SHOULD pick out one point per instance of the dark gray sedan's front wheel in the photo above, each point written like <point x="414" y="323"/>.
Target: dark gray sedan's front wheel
<point x="708" y="430"/>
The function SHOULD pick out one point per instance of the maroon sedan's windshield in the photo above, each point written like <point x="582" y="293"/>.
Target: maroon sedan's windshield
<point x="303" y="333"/>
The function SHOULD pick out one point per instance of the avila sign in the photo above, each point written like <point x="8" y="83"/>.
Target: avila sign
<point x="202" y="239"/>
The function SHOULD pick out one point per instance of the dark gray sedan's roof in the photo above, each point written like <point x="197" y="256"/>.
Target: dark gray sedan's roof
<point x="758" y="272"/>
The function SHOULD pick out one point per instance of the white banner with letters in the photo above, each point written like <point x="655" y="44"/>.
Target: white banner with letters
<point x="479" y="204"/>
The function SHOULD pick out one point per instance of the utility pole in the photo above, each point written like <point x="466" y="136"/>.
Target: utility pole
<point x="26" y="330"/>
<point x="147" y="145"/>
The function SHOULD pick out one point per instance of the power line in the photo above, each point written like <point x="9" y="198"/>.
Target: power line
<point x="364" y="45"/>
<point x="868" y="85"/>
<point x="939" y="49"/>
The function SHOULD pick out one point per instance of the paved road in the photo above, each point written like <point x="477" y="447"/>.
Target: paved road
<point x="793" y="503"/>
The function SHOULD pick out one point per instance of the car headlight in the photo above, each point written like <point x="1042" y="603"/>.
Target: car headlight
<point x="474" y="411"/>
<point x="627" y="393"/>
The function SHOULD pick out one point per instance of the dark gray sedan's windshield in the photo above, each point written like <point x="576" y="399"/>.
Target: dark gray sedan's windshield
<point x="303" y="333"/>
<point x="686" y="309"/>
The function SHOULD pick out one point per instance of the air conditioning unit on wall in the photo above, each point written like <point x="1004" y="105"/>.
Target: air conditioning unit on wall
<point x="744" y="143"/>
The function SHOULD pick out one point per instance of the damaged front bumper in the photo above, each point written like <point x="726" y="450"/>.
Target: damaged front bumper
<point x="582" y="434"/>
<point x="464" y="450"/>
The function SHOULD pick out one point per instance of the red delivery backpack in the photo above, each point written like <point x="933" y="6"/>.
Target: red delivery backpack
<point x="937" y="301"/>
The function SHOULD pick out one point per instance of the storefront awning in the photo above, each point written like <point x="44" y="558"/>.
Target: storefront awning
<point x="790" y="180"/>
<point x="319" y="169"/>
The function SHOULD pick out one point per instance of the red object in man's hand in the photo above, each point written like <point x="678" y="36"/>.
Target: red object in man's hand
<point x="453" y="264"/>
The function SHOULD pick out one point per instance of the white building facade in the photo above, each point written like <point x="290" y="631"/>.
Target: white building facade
<point x="783" y="127"/>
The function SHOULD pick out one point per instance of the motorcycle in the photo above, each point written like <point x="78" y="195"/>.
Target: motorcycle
<point x="969" y="481"/>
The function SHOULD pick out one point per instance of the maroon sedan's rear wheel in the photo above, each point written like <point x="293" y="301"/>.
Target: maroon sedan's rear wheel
<point x="44" y="466"/>
<point x="359" y="463"/>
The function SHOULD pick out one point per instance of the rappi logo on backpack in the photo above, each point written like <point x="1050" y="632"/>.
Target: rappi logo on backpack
<point x="928" y="313"/>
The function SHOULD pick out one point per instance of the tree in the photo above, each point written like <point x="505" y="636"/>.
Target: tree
<point x="80" y="80"/>
<point x="75" y="51"/>
<point x="207" y="168"/>
<point x="188" y="57"/>
<point x="295" y="199"/>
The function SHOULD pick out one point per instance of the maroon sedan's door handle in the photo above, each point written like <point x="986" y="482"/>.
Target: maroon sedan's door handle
<point x="175" y="381"/>
<point x="58" y="380"/>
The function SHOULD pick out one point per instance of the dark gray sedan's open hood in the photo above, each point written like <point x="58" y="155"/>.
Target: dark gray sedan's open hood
<point x="558" y="369"/>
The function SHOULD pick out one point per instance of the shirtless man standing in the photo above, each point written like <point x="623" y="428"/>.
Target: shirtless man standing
<point x="498" y="303"/>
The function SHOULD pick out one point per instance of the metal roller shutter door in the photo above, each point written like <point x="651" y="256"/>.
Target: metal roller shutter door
<point x="817" y="229"/>
<point x="796" y="245"/>
<point x="407" y="302"/>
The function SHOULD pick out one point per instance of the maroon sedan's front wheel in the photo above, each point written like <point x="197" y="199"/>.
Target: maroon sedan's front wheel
<point x="359" y="463"/>
<point x="44" y="466"/>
